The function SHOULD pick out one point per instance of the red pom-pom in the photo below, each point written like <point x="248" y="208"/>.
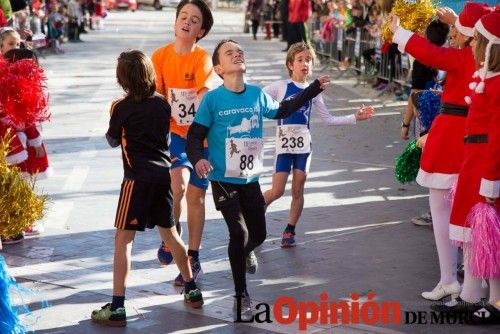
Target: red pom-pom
<point x="483" y="252"/>
<point x="22" y="97"/>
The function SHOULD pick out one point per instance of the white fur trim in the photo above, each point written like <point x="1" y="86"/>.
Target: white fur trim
<point x="459" y="233"/>
<point x="482" y="30"/>
<point x="489" y="188"/>
<point x="35" y="142"/>
<point x="436" y="180"/>
<point x="472" y="85"/>
<point x="16" y="158"/>
<point x="401" y="38"/>
<point x="22" y="138"/>
<point x="464" y="30"/>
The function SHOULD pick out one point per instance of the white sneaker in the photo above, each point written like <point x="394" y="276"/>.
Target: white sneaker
<point x="251" y="263"/>
<point x="441" y="291"/>
<point x="246" y="308"/>
<point x="423" y="220"/>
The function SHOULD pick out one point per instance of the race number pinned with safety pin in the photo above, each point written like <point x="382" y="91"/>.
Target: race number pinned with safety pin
<point x="184" y="104"/>
<point x="294" y="139"/>
<point x="244" y="157"/>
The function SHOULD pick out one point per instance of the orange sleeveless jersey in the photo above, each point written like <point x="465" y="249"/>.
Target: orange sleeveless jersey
<point x="173" y="71"/>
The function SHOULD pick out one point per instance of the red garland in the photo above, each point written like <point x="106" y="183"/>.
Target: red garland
<point x="22" y="94"/>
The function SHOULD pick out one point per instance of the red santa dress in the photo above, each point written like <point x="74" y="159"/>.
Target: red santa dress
<point x="443" y="152"/>
<point x="480" y="171"/>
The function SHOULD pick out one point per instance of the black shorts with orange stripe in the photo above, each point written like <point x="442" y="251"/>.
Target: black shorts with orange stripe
<point x="144" y="204"/>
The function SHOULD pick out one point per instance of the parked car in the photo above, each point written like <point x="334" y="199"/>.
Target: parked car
<point x="121" y="4"/>
<point x="159" y="4"/>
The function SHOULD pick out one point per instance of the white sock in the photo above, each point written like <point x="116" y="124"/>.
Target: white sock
<point x="471" y="289"/>
<point x="447" y="252"/>
<point x="495" y="292"/>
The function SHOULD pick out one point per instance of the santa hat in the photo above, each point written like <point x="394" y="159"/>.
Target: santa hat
<point x="468" y="17"/>
<point x="489" y="27"/>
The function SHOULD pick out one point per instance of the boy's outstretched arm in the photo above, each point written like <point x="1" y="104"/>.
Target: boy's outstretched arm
<point x="113" y="142"/>
<point x="288" y="107"/>
<point x="196" y="135"/>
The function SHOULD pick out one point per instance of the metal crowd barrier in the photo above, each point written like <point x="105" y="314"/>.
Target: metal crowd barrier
<point x="357" y="54"/>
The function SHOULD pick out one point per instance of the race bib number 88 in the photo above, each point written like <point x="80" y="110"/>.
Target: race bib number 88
<point x="184" y="104"/>
<point x="244" y="157"/>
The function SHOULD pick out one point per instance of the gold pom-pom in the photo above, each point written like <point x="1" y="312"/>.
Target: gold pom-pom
<point x="20" y="206"/>
<point x="414" y="15"/>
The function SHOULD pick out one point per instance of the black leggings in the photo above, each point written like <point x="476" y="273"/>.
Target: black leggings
<point x="242" y="207"/>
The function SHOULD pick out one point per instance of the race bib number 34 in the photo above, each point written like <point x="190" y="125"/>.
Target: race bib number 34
<point x="294" y="139"/>
<point x="244" y="157"/>
<point x="184" y="104"/>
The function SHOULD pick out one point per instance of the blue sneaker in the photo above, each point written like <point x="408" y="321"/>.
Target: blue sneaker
<point x="288" y="239"/>
<point x="196" y="270"/>
<point x="165" y="255"/>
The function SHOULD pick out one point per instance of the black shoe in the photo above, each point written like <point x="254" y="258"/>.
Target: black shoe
<point x="460" y="306"/>
<point x="487" y="315"/>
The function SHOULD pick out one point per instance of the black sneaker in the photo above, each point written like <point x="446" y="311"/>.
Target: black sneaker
<point x="458" y="306"/>
<point x="487" y="315"/>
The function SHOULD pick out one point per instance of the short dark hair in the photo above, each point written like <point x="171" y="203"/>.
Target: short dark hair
<point x="215" y="55"/>
<point x="136" y="75"/>
<point x="437" y="32"/>
<point x="14" y="55"/>
<point x="207" y="19"/>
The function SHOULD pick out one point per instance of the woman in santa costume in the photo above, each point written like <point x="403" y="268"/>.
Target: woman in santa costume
<point x="443" y="152"/>
<point x="479" y="178"/>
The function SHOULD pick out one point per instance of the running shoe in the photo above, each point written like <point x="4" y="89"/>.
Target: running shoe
<point x="245" y="313"/>
<point x="423" y="220"/>
<point x="165" y="255"/>
<point x="195" y="268"/>
<point x="251" y="263"/>
<point x="193" y="298"/>
<point x="104" y="316"/>
<point x="288" y="239"/>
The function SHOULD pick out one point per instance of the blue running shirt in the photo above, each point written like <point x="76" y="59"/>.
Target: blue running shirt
<point x="235" y="131"/>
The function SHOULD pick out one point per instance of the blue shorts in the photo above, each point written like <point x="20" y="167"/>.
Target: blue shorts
<point x="286" y="161"/>
<point x="179" y="159"/>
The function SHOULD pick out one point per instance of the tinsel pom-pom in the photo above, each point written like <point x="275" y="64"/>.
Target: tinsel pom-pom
<point x="414" y="15"/>
<point x="408" y="163"/>
<point x="484" y="247"/>
<point x="23" y="97"/>
<point x="428" y="105"/>
<point x="9" y="321"/>
<point x="20" y="206"/>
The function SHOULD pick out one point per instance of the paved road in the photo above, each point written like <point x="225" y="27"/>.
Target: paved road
<point x="354" y="234"/>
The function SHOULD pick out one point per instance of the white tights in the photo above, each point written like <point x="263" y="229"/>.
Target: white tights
<point x="447" y="252"/>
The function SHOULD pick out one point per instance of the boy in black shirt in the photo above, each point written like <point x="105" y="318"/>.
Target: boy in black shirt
<point x="140" y="123"/>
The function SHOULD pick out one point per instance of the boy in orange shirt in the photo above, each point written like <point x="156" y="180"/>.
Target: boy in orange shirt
<point x="183" y="76"/>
